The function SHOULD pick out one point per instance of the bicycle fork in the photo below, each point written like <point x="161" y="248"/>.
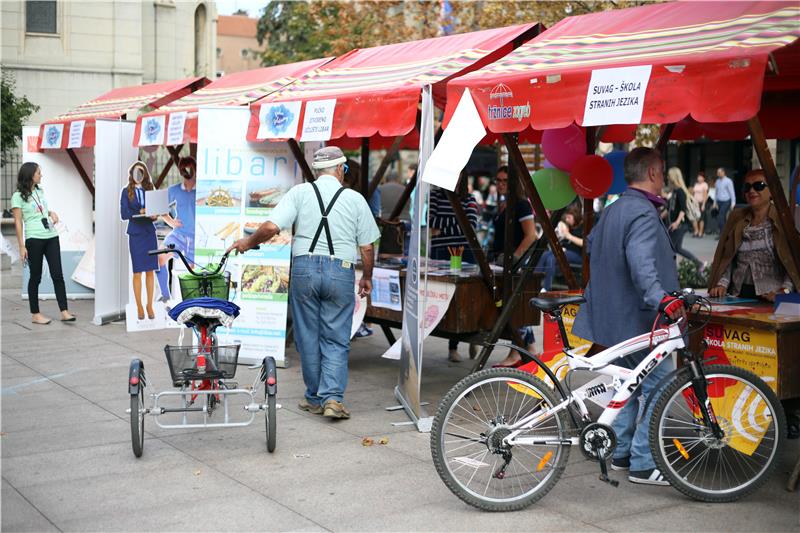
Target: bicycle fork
<point x="700" y="387"/>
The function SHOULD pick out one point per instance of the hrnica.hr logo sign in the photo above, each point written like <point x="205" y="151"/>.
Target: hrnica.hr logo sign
<point x="52" y="136"/>
<point x="499" y="111"/>
<point x="278" y="119"/>
<point x="152" y="129"/>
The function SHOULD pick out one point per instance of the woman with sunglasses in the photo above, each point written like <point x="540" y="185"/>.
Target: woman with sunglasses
<point x="753" y="257"/>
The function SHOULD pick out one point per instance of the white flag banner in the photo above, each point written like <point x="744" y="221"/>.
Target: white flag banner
<point x="452" y="153"/>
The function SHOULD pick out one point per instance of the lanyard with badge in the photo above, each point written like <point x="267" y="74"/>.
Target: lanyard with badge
<point x="40" y="208"/>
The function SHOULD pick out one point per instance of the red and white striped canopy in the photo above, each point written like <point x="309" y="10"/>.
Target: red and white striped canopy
<point x="713" y="66"/>
<point x="377" y="90"/>
<point x="75" y="128"/>
<point x="240" y="88"/>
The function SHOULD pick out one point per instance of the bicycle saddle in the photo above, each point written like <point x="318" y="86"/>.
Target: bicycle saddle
<point x="547" y="305"/>
<point x="190" y="311"/>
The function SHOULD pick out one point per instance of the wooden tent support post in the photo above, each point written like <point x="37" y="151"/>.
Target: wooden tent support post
<point x="593" y="135"/>
<point x="163" y="175"/>
<point x="530" y="259"/>
<point x="84" y="176"/>
<point x="663" y="139"/>
<point x="175" y="152"/>
<point x="403" y="200"/>
<point x="387" y="160"/>
<point x="515" y="157"/>
<point x="775" y="188"/>
<point x="365" y="168"/>
<point x="301" y="160"/>
<point x="472" y="239"/>
<point x="508" y="221"/>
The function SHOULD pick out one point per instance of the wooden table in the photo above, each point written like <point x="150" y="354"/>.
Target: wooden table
<point x="750" y="336"/>
<point x="472" y="309"/>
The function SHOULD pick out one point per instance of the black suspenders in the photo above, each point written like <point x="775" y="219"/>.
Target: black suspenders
<point x="324" y="222"/>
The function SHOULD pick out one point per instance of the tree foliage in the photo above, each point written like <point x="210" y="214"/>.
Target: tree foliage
<point x="15" y="110"/>
<point x="309" y="29"/>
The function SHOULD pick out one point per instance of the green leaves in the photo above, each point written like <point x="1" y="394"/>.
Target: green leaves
<point x="15" y="111"/>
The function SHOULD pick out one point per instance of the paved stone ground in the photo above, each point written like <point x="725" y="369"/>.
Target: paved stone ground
<point x="67" y="463"/>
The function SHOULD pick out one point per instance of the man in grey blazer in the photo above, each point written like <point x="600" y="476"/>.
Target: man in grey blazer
<point x="633" y="271"/>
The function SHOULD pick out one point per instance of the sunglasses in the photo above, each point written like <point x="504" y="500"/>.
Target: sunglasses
<point x="346" y="168"/>
<point x="758" y="186"/>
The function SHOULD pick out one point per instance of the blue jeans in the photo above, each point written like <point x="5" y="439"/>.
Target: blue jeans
<point x="631" y="425"/>
<point x="322" y="296"/>
<point x="548" y="264"/>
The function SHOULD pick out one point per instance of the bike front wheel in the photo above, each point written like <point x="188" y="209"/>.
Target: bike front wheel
<point x="704" y="466"/>
<point x="470" y="441"/>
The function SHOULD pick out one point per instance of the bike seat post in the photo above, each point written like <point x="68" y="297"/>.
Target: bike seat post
<point x="556" y="313"/>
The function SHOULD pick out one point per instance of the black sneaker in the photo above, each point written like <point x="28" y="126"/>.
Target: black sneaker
<point x="652" y="476"/>
<point x="623" y="463"/>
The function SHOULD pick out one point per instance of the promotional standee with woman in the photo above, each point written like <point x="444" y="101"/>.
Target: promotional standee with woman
<point x="753" y="258"/>
<point x="679" y="224"/>
<point x="29" y="206"/>
<point x="141" y="235"/>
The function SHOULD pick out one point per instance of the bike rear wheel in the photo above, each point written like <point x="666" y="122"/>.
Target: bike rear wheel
<point x="701" y="465"/>
<point x="467" y="437"/>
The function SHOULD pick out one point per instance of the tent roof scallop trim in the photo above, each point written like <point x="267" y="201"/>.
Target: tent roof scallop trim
<point x="709" y="62"/>
<point x="115" y="104"/>
<point x="377" y="90"/>
<point x="236" y="89"/>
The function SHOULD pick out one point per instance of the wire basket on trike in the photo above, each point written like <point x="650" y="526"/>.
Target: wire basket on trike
<point x="202" y="372"/>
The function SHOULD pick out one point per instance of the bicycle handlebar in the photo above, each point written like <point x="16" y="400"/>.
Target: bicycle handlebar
<point x="171" y="249"/>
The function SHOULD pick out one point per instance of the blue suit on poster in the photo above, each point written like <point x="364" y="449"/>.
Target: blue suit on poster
<point x="141" y="231"/>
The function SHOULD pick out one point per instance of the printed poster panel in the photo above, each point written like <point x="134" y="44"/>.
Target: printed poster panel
<point x="238" y="185"/>
<point x="318" y="120"/>
<point x="752" y="349"/>
<point x="279" y="121"/>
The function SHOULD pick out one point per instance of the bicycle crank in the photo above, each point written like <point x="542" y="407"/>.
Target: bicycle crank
<point x="597" y="442"/>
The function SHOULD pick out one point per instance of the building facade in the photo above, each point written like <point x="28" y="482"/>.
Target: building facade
<point x="64" y="53"/>
<point x="237" y="46"/>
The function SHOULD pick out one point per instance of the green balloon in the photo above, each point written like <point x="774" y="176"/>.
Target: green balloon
<point x="554" y="188"/>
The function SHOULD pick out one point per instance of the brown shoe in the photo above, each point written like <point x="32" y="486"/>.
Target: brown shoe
<point x="314" y="409"/>
<point x="334" y="409"/>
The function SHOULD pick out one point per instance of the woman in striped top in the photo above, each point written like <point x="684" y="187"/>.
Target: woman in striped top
<point x="445" y="231"/>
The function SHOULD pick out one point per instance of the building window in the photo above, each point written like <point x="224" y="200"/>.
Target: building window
<point x="40" y="16"/>
<point x="244" y="53"/>
<point x="219" y="52"/>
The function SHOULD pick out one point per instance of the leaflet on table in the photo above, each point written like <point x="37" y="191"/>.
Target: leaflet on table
<point x="386" y="289"/>
<point x="437" y="297"/>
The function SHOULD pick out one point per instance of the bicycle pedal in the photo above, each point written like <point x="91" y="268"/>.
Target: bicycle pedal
<point x="606" y="479"/>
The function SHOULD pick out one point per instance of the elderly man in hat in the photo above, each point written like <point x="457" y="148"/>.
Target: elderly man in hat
<point x="332" y="225"/>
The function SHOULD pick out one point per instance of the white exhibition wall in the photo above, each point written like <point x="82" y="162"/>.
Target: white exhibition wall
<point x="114" y="153"/>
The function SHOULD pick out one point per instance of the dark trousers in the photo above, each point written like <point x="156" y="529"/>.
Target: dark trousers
<point x="677" y="241"/>
<point x="38" y="249"/>
<point x="723" y="207"/>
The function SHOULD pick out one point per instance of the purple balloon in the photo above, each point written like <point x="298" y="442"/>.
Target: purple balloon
<point x="548" y="164"/>
<point x="564" y="146"/>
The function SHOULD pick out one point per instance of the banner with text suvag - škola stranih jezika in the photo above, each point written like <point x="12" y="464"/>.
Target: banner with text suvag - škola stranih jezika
<point x="238" y="185"/>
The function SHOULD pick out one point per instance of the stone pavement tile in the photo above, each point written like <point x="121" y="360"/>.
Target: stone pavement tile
<point x="18" y="514"/>
<point x="600" y="501"/>
<point x="66" y="410"/>
<point x="123" y="493"/>
<point x="77" y="434"/>
<point x="224" y="447"/>
<point x="81" y="464"/>
<point x="691" y="516"/>
<point x="210" y="511"/>
<point x="409" y="442"/>
<point x="10" y="368"/>
<point x="458" y="516"/>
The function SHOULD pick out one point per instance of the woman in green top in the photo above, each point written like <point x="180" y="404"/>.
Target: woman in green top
<point x="41" y="240"/>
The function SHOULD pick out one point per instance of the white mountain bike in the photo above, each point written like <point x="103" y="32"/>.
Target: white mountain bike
<point x="500" y="438"/>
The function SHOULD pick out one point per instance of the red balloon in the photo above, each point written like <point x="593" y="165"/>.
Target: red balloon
<point x="591" y="176"/>
<point x="563" y="146"/>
